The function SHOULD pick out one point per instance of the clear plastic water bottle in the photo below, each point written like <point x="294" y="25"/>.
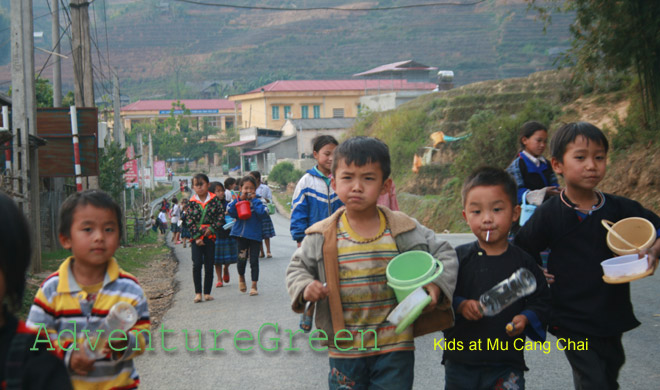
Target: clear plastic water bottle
<point x="521" y="283"/>
<point x="121" y="316"/>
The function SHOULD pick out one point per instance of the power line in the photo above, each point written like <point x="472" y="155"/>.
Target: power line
<point x="328" y="8"/>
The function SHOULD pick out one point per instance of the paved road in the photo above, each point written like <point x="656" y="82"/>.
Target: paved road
<point x="294" y="365"/>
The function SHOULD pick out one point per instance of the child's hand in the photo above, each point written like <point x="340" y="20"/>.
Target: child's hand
<point x="315" y="291"/>
<point x="550" y="278"/>
<point x="199" y="241"/>
<point x="519" y="323"/>
<point x="80" y="363"/>
<point x="653" y="254"/>
<point x="118" y="347"/>
<point x="470" y="309"/>
<point x="434" y="292"/>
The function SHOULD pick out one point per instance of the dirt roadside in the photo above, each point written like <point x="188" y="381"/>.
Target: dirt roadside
<point x="158" y="284"/>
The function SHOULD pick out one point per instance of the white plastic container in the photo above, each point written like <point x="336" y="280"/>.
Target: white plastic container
<point x="627" y="265"/>
<point x="407" y="311"/>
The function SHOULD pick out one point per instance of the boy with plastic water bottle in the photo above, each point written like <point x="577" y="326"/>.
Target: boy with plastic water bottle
<point x="486" y="343"/>
<point x="350" y="251"/>
<point x="584" y="307"/>
<point x="75" y="300"/>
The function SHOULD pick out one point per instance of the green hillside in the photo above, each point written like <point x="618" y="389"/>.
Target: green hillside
<point x="492" y="113"/>
<point x="149" y="43"/>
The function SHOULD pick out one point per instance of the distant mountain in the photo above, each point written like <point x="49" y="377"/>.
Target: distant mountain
<point x="159" y="46"/>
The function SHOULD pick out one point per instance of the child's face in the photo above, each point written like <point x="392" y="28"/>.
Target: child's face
<point x="248" y="188"/>
<point x="94" y="235"/>
<point x="489" y="213"/>
<point x="359" y="187"/>
<point x="583" y="166"/>
<point x="535" y="145"/>
<point x="324" y="158"/>
<point x="201" y="188"/>
<point x="220" y="192"/>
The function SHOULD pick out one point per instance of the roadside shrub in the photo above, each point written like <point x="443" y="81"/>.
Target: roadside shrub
<point x="284" y="173"/>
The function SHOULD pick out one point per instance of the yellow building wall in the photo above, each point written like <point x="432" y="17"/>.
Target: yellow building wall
<point x="256" y="111"/>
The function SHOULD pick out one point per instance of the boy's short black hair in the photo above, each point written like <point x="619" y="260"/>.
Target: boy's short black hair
<point x="256" y="175"/>
<point x="249" y="178"/>
<point x="361" y="151"/>
<point x="96" y="198"/>
<point x="229" y="182"/>
<point x="198" y="177"/>
<point x="175" y="200"/>
<point x="528" y="129"/>
<point x="321" y="140"/>
<point x="214" y="185"/>
<point x="569" y="132"/>
<point x="15" y="251"/>
<point x="490" y="176"/>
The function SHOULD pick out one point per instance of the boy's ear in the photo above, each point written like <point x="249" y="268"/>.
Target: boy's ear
<point x="333" y="184"/>
<point x="65" y="241"/>
<point x="557" y="166"/>
<point x="516" y="213"/>
<point x="387" y="184"/>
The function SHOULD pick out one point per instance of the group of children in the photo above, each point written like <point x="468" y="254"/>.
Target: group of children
<point x="341" y="261"/>
<point x="211" y="243"/>
<point x="340" y="265"/>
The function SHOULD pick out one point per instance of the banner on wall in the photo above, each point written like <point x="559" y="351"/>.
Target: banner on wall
<point x="131" y="168"/>
<point x="160" y="171"/>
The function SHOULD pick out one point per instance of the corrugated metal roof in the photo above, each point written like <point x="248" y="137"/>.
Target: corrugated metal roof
<point x="270" y="144"/>
<point x="342" y="85"/>
<point x="396" y="67"/>
<point x="323" y="123"/>
<point x="191" y="104"/>
<point x="240" y="143"/>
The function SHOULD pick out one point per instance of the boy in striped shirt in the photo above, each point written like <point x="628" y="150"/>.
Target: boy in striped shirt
<point x="349" y="252"/>
<point x="80" y="294"/>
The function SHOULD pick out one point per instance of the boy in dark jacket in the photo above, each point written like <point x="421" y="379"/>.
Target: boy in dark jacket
<point x="584" y="307"/>
<point x="488" y="351"/>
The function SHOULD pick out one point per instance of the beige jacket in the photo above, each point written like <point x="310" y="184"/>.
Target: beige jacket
<point x="316" y="259"/>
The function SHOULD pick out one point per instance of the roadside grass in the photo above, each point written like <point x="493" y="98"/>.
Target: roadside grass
<point x="283" y="199"/>
<point x="131" y="259"/>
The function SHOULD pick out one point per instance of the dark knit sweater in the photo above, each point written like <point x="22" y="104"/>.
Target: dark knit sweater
<point x="477" y="273"/>
<point x="530" y="177"/>
<point x="581" y="301"/>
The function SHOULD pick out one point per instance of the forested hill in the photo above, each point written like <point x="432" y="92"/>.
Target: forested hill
<point x="153" y="43"/>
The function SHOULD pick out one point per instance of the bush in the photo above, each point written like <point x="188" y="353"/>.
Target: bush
<point x="284" y="173"/>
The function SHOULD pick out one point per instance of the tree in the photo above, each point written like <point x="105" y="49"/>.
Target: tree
<point x="43" y="92"/>
<point x="111" y="170"/>
<point x="615" y="34"/>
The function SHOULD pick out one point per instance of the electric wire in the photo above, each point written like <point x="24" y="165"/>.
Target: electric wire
<point x="264" y="8"/>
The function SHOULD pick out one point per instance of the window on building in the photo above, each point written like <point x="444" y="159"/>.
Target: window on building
<point x="304" y="112"/>
<point x="337" y="112"/>
<point x="287" y="112"/>
<point x="276" y="112"/>
<point x="359" y="108"/>
<point x="317" y="112"/>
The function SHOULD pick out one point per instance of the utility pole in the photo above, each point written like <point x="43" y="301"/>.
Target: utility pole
<point x="117" y="128"/>
<point x="82" y="53"/>
<point x="26" y="161"/>
<point x="57" y="64"/>
<point x="151" y="164"/>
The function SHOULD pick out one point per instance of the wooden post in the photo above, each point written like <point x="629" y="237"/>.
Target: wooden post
<point x="82" y="54"/>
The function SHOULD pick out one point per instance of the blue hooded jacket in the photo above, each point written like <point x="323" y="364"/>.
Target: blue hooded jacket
<point x="313" y="200"/>
<point x="248" y="228"/>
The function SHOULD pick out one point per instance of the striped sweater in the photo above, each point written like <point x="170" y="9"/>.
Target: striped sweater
<point x="59" y="306"/>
